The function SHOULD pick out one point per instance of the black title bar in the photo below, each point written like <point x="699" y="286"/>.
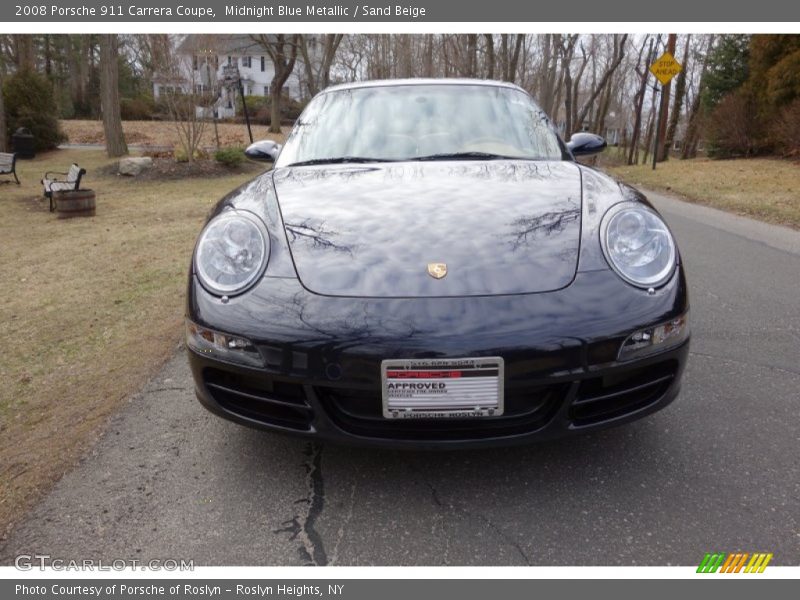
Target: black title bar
<point x="409" y="11"/>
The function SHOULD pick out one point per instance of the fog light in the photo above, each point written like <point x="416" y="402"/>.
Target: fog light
<point x="223" y="346"/>
<point x="655" y="339"/>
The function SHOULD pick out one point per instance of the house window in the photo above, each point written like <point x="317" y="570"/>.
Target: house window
<point x="247" y="61"/>
<point x="230" y="61"/>
<point x="194" y="62"/>
<point x="266" y="90"/>
<point x="200" y="88"/>
<point x="263" y="64"/>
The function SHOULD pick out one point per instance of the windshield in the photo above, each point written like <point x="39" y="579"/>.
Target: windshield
<point x="421" y="122"/>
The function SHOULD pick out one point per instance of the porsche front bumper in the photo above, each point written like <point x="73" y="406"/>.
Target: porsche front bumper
<point x="322" y="355"/>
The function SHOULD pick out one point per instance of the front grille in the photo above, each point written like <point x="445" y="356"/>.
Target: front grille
<point x="265" y="400"/>
<point x="359" y="412"/>
<point x="616" y="394"/>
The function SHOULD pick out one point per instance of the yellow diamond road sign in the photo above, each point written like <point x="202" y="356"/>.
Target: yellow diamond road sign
<point x="665" y="68"/>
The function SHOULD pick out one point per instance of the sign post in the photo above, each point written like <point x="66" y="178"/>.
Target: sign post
<point x="232" y="77"/>
<point x="665" y="68"/>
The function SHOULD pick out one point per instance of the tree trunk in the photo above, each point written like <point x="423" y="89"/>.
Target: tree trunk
<point x="489" y="55"/>
<point x="677" y="104"/>
<point x="567" y="51"/>
<point x="23" y="45"/>
<point x="472" y="55"/>
<point x="546" y="75"/>
<point x="663" y="111"/>
<point x="692" y="137"/>
<point x="651" y="123"/>
<point x="638" y="103"/>
<point x="428" y="71"/>
<point x="3" y="125"/>
<point x="109" y="96"/>
<point x="512" y="67"/>
<point x="276" y="47"/>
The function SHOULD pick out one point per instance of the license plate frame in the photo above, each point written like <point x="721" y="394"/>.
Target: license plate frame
<point x="466" y="388"/>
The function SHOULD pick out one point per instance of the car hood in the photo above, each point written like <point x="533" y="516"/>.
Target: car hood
<point x="500" y="227"/>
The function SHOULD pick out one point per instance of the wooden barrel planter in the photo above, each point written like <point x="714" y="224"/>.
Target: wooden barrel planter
<point x="74" y="203"/>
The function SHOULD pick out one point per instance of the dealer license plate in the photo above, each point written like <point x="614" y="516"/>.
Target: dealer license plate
<point x="442" y="388"/>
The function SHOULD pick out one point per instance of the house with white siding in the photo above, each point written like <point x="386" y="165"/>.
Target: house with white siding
<point x="206" y="62"/>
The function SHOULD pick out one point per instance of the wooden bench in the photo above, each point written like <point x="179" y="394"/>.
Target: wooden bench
<point x="70" y="181"/>
<point x="8" y="166"/>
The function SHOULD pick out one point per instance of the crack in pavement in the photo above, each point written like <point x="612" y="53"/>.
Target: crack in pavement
<point x="348" y="517"/>
<point x="441" y="522"/>
<point x="301" y="526"/>
<point x="502" y="534"/>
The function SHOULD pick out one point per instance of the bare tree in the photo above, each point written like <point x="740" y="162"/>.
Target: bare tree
<point x="547" y="80"/>
<point x="109" y="93"/>
<point x="282" y="51"/>
<point x="320" y="77"/>
<point x="189" y="98"/>
<point x="605" y="78"/>
<point x="692" y="137"/>
<point x="566" y="54"/>
<point x="24" y="52"/>
<point x="3" y="125"/>
<point x="510" y="57"/>
<point x="662" y="152"/>
<point x="643" y="73"/>
<point x="677" y="102"/>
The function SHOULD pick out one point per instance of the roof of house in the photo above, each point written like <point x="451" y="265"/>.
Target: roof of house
<point x="219" y="44"/>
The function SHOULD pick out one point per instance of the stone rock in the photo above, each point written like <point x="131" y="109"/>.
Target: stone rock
<point x="134" y="165"/>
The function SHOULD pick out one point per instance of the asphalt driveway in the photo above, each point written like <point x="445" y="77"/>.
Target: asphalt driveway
<point x="718" y="470"/>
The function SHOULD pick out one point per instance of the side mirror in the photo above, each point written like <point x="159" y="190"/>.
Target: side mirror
<point x="585" y="144"/>
<point x="263" y="150"/>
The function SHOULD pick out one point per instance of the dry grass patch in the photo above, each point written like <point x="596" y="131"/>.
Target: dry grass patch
<point x="765" y="189"/>
<point x="90" y="308"/>
<point x="162" y="133"/>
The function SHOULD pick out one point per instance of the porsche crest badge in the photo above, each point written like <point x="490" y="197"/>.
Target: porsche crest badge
<point x="437" y="270"/>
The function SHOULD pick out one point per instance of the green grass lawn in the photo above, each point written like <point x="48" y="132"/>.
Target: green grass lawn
<point x="766" y="189"/>
<point x="90" y="308"/>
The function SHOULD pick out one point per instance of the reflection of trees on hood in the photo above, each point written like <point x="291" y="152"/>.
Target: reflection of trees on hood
<point x="528" y="228"/>
<point x="316" y="235"/>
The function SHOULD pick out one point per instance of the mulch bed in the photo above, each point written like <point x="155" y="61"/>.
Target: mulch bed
<point x="168" y="169"/>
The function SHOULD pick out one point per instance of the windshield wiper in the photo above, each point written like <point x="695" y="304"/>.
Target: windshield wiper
<point x="338" y="160"/>
<point x="469" y="156"/>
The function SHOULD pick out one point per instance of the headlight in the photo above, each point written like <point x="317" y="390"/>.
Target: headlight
<point x="638" y="245"/>
<point x="232" y="252"/>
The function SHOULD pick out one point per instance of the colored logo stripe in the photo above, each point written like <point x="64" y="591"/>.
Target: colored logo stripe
<point x="711" y="562"/>
<point x="758" y="563"/>
<point x="733" y="563"/>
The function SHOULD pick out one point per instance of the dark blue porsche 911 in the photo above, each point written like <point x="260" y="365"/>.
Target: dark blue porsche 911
<point x="427" y="265"/>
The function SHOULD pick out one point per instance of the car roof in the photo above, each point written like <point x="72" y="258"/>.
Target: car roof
<point x="421" y="81"/>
